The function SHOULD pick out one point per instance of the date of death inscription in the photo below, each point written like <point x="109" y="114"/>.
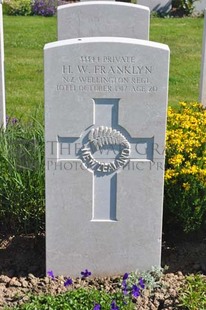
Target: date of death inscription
<point x="107" y="74"/>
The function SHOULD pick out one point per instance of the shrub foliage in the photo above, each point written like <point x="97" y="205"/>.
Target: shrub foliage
<point x="22" y="178"/>
<point x="185" y="176"/>
<point x="193" y="294"/>
<point x="32" y="7"/>
<point x="80" y="299"/>
<point x="182" y="8"/>
<point x="17" y="7"/>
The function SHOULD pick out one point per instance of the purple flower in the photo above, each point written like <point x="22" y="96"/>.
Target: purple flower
<point x="114" y="306"/>
<point x="97" y="307"/>
<point x="86" y="273"/>
<point x="50" y="274"/>
<point x="124" y="287"/>
<point x="44" y="8"/>
<point x="125" y="292"/>
<point x="14" y="120"/>
<point x="68" y="282"/>
<point x="141" y="283"/>
<point x="125" y="276"/>
<point x="135" y="290"/>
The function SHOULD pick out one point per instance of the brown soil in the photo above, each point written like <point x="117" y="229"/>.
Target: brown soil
<point x="22" y="269"/>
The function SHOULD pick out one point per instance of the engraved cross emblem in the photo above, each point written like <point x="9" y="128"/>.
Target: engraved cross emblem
<point x="106" y="150"/>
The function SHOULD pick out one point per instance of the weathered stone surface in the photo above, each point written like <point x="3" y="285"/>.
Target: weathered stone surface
<point x="103" y="19"/>
<point x="105" y="117"/>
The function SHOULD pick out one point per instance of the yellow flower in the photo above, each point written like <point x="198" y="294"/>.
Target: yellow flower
<point x="186" y="186"/>
<point x="186" y="141"/>
<point x="176" y="160"/>
<point x="169" y="174"/>
<point x="183" y="104"/>
<point x="194" y="169"/>
<point x="192" y="156"/>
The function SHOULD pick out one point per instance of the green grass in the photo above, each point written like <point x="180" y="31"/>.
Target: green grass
<point x="22" y="184"/>
<point x="184" y="37"/>
<point x="25" y="38"/>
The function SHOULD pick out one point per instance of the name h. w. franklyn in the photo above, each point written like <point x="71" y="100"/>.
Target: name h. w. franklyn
<point x="101" y="69"/>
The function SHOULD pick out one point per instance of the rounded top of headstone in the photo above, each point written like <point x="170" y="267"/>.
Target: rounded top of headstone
<point x="103" y="2"/>
<point x="101" y="40"/>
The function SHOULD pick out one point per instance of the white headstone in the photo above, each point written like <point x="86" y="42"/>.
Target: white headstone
<point x="2" y="83"/>
<point x="199" y="6"/>
<point x="103" y="19"/>
<point x="202" y="94"/>
<point x="105" y="119"/>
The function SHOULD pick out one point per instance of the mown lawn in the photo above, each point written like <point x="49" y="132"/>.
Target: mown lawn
<point x="25" y="38"/>
<point x="184" y="37"/>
